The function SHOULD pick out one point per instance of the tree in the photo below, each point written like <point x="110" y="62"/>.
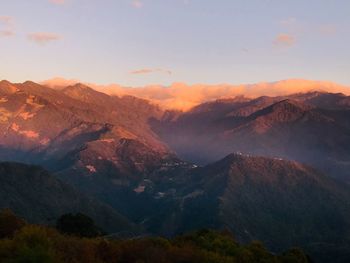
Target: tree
<point x="9" y="223"/>
<point x="78" y="225"/>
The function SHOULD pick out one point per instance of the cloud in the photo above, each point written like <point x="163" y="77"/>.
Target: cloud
<point x="137" y="4"/>
<point x="6" y="20"/>
<point x="58" y="2"/>
<point x="6" y="26"/>
<point x="150" y="70"/>
<point x="183" y="97"/>
<point x="7" y="33"/>
<point x="285" y="40"/>
<point x="59" y="82"/>
<point x="43" y="37"/>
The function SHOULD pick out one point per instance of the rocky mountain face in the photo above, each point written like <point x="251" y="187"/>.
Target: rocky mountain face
<point x="39" y="124"/>
<point x="312" y="128"/>
<point x="40" y="198"/>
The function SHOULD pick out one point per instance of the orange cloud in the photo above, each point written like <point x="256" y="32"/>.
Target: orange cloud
<point x="284" y="40"/>
<point x="7" y="33"/>
<point x="149" y="71"/>
<point x="181" y="96"/>
<point x="6" y="26"/>
<point x="43" y="37"/>
<point x="59" y="83"/>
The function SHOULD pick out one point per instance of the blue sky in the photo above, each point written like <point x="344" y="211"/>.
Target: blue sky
<point x="140" y="42"/>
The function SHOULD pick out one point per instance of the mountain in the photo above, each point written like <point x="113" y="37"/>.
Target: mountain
<point x="312" y="128"/>
<point x="101" y="144"/>
<point x="40" y="198"/>
<point x="282" y="203"/>
<point x="41" y="125"/>
<point x="147" y="163"/>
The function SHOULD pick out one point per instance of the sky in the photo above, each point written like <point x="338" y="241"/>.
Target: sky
<point x="142" y="42"/>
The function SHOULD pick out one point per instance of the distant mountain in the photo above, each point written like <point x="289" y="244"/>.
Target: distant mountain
<point x="280" y="202"/>
<point x="35" y="195"/>
<point x="313" y="128"/>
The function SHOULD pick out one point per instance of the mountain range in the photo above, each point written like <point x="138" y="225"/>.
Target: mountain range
<point x="311" y="128"/>
<point x="273" y="168"/>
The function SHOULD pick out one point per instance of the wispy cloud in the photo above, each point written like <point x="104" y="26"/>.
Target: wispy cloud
<point x="7" y="33"/>
<point x="7" y="26"/>
<point x="284" y="40"/>
<point x="6" y="20"/>
<point x="150" y="71"/>
<point x="58" y="2"/>
<point x="43" y="37"/>
<point x="137" y="4"/>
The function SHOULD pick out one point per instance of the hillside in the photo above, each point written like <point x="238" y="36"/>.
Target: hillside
<point x="35" y="195"/>
<point x="282" y="203"/>
<point x="312" y="128"/>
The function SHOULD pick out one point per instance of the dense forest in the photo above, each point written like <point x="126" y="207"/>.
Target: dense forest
<point x="76" y="239"/>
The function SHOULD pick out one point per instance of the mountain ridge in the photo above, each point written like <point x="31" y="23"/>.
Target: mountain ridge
<point x="34" y="194"/>
<point x="181" y="96"/>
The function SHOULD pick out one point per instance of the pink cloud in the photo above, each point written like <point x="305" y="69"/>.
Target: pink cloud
<point x="59" y="82"/>
<point x="58" y="2"/>
<point x="43" y="37"/>
<point x="285" y="40"/>
<point x="151" y="70"/>
<point x="6" y="26"/>
<point x="6" y="33"/>
<point x="6" y="20"/>
<point x="137" y="4"/>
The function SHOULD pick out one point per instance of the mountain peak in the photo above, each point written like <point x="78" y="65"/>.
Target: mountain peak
<point x="29" y="82"/>
<point x="282" y="111"/>
<point x="87" y="94"/>
<point x="290" y="105"/>
<point x="79" y="87"/>
<point x="5" y="82"/>
<point x="7" y="87"/>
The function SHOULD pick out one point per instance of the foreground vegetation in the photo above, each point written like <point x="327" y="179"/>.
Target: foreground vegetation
<point x="24" y="243"/>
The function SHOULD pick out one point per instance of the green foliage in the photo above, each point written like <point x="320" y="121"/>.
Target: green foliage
<point x="9" y="223"/>
<point x="38" y="244"/>
<point x="78" y="225"/>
